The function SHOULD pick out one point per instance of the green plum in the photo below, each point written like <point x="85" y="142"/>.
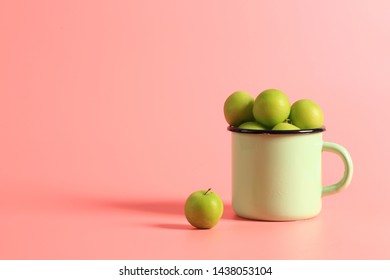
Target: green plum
<point x="203" y="209"/>
<point x="252" y="125"/>
<point x="238" y="108"/>
<point x="271" y="107"/>
<point x="285" y="126"/>
<point x="306" y="114"/>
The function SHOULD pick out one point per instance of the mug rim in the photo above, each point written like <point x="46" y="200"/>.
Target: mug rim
<point x="269" y="131"/>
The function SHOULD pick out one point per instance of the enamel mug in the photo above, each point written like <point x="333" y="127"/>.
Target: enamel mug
<point x="276" y="174"/>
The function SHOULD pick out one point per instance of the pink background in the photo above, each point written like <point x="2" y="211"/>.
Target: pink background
<point x="111" y="115"/>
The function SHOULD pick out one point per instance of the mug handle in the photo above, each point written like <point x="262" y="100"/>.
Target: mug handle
<point x="348" y="168"/>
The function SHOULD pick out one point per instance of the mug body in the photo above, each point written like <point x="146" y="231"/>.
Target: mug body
<point x="277" y="176"/>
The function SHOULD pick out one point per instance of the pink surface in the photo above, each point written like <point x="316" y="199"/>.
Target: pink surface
<point x="111" y="115"/>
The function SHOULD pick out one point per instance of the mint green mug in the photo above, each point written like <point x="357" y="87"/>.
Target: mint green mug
<point x="276" y="175"/>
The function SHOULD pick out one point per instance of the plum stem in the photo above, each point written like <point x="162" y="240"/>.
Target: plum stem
<point x="207" y="191"/>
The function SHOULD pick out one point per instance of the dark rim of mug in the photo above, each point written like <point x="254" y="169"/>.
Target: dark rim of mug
<point x="253" y="131"/>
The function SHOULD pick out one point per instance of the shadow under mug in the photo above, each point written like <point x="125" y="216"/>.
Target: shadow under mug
<point x="276" y="174"/>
